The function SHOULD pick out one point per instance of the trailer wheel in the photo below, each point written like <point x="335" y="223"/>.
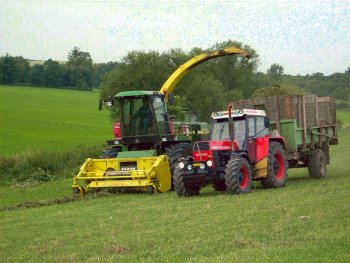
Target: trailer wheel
<point x="238" y="176"/>
<point x="276" y="167"/>
<point x="184" y="188"/>
<point x="219" y="186"/>
<point x="317" y="164"/>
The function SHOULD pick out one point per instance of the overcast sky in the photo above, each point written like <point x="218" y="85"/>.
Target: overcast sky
<point x="303" y="36"/>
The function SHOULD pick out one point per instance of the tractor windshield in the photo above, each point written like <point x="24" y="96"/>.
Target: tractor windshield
<point x="220" y="131"/>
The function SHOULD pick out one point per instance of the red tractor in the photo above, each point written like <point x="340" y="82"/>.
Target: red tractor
<point x="240" y="149"/>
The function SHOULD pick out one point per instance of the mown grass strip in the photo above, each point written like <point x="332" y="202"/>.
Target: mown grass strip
<point x="56" y="201"/>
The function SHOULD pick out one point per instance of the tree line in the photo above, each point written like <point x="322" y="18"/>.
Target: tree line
<point x="213" y="84"/>
<point x="79" y="72"/>
<point x="209" y="87"/>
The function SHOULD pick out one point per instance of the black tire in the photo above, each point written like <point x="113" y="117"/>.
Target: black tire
<point x="150" y="190"/>
<point x="78" y="191"/>
<point x="277" y="167"/>
<point x="181" y="149"/>
<point x="219" y="186"/>
<point x="238" y="176"/>
<point x="317" y="164"/>
<point x="110" y="153"/>
<point x="183" y="188"/>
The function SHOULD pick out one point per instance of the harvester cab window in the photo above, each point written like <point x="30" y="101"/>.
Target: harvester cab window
<point x="137" y="116"/>
<point x="142" y="118"/>
<point x="160" y="114"/>
<point x="125" y="112"/>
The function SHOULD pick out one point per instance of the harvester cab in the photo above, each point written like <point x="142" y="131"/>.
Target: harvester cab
<point x="145" y="124"/>
<point x="143" y="118"/>
<point x="239" y="150"/>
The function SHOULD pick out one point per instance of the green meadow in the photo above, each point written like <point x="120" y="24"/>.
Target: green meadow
<point x="50" y="119"/>
<point x="306" y="221"/>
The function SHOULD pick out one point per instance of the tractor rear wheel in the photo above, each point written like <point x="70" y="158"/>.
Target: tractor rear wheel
<point x="183" y="188"/>
<point x="317" y="164"/>
<point x="276" y="167"/>
<point x="238" y="176"/>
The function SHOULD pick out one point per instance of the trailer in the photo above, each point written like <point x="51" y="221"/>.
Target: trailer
<point x="308" y="124"/>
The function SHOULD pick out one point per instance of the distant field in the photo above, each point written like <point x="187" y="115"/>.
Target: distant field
<point x="345" y="117"/>
<point x="50" y="119"/>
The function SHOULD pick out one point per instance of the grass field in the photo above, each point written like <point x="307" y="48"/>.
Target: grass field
<point x="307" y="221"/>
<point x="50" y="119"/>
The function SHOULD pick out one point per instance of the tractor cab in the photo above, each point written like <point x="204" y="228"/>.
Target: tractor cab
<point x="143" y="117"/>
<point x="247" y="127"/>
<point x="247" y="124"/>
<point x="249" y="131"/>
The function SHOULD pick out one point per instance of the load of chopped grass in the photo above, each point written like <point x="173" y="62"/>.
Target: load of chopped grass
<point x="278" y="90"/>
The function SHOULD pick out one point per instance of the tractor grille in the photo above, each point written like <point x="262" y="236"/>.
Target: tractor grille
<point x="201" y="146"/>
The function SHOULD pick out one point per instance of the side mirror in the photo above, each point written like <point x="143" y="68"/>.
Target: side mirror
<point x="267" y="122"/>
<point x="108" y="102"/>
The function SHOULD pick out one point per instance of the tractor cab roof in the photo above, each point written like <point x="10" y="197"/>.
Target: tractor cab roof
<point x="136" y="93"/>
<point x="237" y="113"/>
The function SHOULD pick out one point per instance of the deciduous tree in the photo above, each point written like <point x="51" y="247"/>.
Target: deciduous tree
<point x="79" y="68"/>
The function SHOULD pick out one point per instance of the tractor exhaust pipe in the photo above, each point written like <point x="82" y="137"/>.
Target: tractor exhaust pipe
<point x="231" y="129"/>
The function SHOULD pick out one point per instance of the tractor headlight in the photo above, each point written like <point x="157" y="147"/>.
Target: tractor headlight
<point x="189" y="167"/>
<point x="181" y="165"/>
<point x="202" y="166"/>
<point x="210" y="163"/>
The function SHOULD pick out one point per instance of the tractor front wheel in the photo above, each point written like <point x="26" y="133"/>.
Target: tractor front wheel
<point x="276" y="167"/>
<point x="181" y="149"/>
<point x="183" y="188"/>
<point x="238" y="176"/>
<point x="317" y="164"/>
